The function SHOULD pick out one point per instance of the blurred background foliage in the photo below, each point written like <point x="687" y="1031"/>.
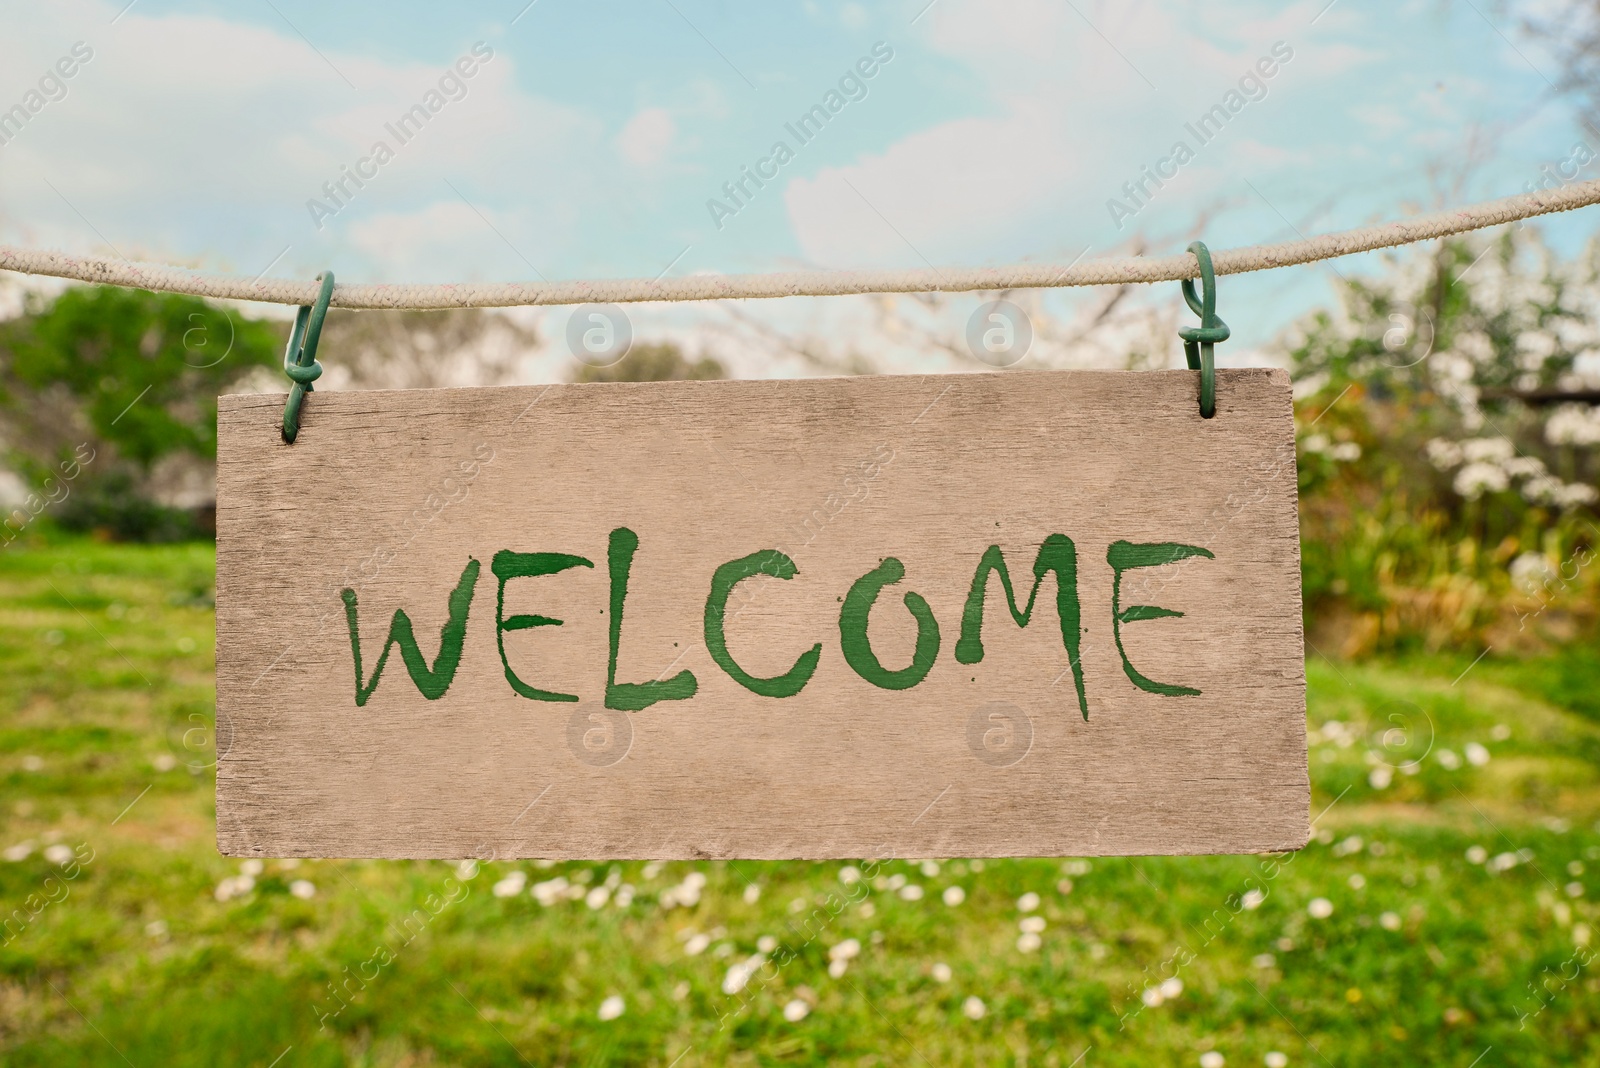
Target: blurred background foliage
<point x="124" y="383"/>
<point x="1447" y="434"/>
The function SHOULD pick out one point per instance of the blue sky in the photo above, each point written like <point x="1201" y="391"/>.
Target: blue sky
<point x="592" y="139"/>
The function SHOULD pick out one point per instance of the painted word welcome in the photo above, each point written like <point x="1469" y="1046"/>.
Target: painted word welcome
<point x="1057" y="556"/>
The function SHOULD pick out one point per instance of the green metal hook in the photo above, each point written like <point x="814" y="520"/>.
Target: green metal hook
<point x="1198" y="340"/>
<point x="300" y="359"/>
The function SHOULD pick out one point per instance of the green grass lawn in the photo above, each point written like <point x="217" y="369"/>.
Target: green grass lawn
<point x="1443" y="916"/>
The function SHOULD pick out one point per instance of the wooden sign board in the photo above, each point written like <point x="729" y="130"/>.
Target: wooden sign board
<point x="1026" y="613"/>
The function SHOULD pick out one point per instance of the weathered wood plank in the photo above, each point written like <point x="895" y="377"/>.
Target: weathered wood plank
<point x="392" y="495"/>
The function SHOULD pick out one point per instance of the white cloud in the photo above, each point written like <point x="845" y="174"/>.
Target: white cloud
<point x="1070" y="117"/>
<point x="180" y="120"/>
<point x="647" y="137"/>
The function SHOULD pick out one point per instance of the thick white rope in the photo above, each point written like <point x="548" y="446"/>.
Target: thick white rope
<point x="803" y="283"/>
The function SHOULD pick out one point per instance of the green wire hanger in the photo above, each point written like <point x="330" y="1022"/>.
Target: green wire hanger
<point x="1198" y="340"/>
<point x="300" y="359"/>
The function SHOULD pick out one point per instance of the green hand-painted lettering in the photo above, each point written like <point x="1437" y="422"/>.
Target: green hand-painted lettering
<point x="1056" y="554"/>
<point x="634" y="696"/>
<point x="506" y="566"/>
<point x="723" y="580"/>
<point x="1125" y="556"/>
<point x="853" y="630"/>
<point x="432" y="682"/>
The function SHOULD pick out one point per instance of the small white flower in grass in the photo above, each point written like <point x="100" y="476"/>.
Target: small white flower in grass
<point x="1028" y="902"/>
<point x="1151" y="997"/>
<point x="58" y="854"/>
<point x="972" y="1008"/>
<point x="1275" y="1059"/>
<point x="624" y="896"/>
<point x="1032" y="924"/>
<point x="849" y="875"/>
<point x="695" y="879"/>
<point x="867" y="909"/>
<point x="467" y="869"/>
<point x="234" y="886"/>
<point x="18" y="852"/>
<point x="650" y="870"/>
<point x="1477" y="755"/>
<point x="1353" y="844"/>
<point x="1029" y="942"/>
<point x="1253" y="899"/>
<point x="930" y="868"/>
<point x="1500" y="732"/>
<point x="252" y="867"/>
<point x="1264" y="961"/>
<point x="1448" y="759"/>
<point x="896" y="881"/>
<point x="1357" y="881"/>
<point x="1389" y="921"/>
<point x="597" y="898"/>
<point x="941" y="972"/>
<point x="1064" y="886"/>
<point x="1574" y="889"/>
<point x="1575" y="867"/>
<point x="752" y="894"/>
<point x="739" y="974"/>
<point x="547" y="893"/>
<point x="1580" y="934"/>
<point x="766" y="943"/>
<point x="1379" y="778"/>
<point x="1501" y="862"/>
<point x="911" y="892"/>
<point x="837" y="968"/>
<point x="849" y="949"/>
<point x="612" y="1007"/>
<point x="1320" y="908"/>
<point x="32" y="763"/>
<point x="799" y="905"/>
<point x="304" y="889"/>
<point x="1285" y="945"/>
<point x="1171" y="988"/>
<point x="164" y="762"/>
<point x="1477" y="854"/>
<point x="954" y="895"/>
<point x="680" y="991"/>
<point x="796" y="1010"/>
<point x="511" y="885"/>
<point x="1212" y="1059"/>
<point x="156" y="928"/>
<point x="697" y="944"/>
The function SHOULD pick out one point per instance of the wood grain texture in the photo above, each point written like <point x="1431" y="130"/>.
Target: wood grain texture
<point x="391" y="494"/>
